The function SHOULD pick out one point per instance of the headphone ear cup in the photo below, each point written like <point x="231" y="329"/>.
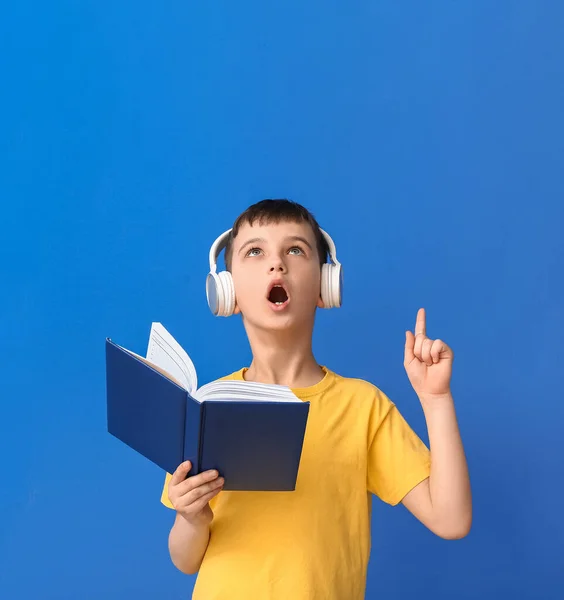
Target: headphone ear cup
<point x="337" y="285"/>
<point x="213" y="293"/>
<point x="325" y="286"/>
<point x="331" y="285"/>
<point x="220" y="293"/>
<point x="228" y="293"/>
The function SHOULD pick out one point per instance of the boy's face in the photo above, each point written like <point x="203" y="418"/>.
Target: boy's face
<point x="277" y="254"/>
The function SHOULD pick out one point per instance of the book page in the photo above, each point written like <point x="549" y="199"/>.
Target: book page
<point x="165" y="352"/>
<point x="249" y="391"/>
<point x="154" y="366"/>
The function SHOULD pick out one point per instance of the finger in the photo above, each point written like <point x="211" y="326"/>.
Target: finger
<point x="426" y="352"/>
<point x="409" y="344"/>
<point x="436" y="349"/>
<point x="419" y="339"/>
<point x="420" y="324"/>
<point x="196" y="481"/>
<point x="202" y="501"/>
<point x="181" y="472"/>
<point x="187" y="500"/>
<point x="444" y="350"/>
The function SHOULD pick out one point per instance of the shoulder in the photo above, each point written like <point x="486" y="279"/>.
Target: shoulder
<point x="361" y="389"/>
<point x="355" y="383"/>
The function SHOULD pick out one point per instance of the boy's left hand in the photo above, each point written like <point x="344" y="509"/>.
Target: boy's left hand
<point x="428" y="363"/>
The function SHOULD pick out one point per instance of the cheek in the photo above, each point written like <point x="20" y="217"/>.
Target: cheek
<point x="312" y="290"/>
<point x="246" y="287"/>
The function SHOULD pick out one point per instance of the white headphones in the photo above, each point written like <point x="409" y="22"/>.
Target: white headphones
<point x="220" y="290"/>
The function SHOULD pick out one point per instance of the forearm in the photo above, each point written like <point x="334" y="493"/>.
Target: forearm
<point x="449" y="484"/>
<point x="187" y="545"/>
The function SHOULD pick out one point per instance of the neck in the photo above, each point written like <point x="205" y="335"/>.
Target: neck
<point x="284" y="358"/>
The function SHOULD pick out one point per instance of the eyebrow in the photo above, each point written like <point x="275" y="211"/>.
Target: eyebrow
<point x="299" y="238"/>
<point x="251" y="241"/>
<point x="295" y="238"/>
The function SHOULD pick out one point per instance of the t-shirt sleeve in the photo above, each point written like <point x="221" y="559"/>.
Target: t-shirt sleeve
<point x="164" y="495"/>
<point x="398" y="459"/>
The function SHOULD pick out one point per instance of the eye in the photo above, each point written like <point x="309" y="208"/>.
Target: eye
<point x="296" y="250"/>
<point x="253" y="252"/>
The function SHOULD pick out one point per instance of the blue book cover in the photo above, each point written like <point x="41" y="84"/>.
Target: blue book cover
<point x="251" y="433"/>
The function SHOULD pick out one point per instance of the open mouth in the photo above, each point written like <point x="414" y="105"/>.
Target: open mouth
<point x="278" y="295"/>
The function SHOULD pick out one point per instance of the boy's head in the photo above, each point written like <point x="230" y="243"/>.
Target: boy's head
<point x="267" y="212"/>
<point x="275" y="254"/>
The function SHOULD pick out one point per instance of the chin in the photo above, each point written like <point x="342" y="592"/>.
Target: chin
<point x="279" y="322"/>
<point x="272" y="324"/>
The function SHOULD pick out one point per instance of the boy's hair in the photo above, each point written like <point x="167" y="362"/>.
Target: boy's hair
<point x="277" y="211"/>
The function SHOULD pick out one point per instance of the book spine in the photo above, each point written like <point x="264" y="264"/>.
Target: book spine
<point x="193" y="434"/>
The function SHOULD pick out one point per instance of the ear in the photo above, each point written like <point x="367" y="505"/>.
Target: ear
<point x="320" y="303"/>
<point x="236" y="310"/>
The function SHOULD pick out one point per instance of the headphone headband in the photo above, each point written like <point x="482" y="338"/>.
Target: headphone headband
<point x="332" y="248"/>
<point x="216" y="248"/>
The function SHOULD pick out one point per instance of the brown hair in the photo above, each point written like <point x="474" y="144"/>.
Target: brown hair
<point x="277" y="211"/>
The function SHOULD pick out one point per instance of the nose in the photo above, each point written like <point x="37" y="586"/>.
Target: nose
<point x="277" y="265"/>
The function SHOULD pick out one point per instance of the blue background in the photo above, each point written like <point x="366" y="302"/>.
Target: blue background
<point x="427" y="138"/>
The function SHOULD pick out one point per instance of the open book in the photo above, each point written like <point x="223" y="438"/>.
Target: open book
<point x="166" y="354"/>
<point x="252" y="433"/>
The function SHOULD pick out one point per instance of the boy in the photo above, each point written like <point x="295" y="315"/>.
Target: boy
<point x="314" y="542"/>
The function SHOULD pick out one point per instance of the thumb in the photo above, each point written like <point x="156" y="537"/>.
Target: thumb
<point x="409" y="347"/>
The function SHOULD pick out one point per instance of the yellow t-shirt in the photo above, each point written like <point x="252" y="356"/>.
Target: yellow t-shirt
<point x="314" y="543"/>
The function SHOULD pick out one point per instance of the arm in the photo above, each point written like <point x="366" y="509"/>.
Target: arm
<point x="187" y="544"/>
<point x="190" y="534"/>
<point x="443" y="502"/>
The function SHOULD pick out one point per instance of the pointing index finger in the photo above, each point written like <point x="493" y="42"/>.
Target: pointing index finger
<point x="420" y="325"/>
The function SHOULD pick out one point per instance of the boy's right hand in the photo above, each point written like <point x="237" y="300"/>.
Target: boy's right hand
<point x="190" y="496"/>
